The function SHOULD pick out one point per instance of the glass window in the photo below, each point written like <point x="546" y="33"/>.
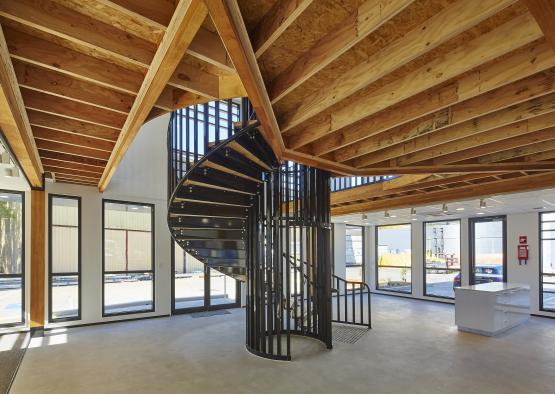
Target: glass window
<point x="196" y="286"/>
<point x="12" y="262"/>
<point x="64" y="258"/>
<point x="442" y="258"/>
<point x="547" y="263"/>
<point x="128" y="257"/>
<point x="354" y="253"/>
<point x="488" y="255"/>
<point x="394" y="258"/>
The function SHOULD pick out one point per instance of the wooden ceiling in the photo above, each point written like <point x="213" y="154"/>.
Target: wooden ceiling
<point x="455" y="96"/>
<point x="86" y="74"/>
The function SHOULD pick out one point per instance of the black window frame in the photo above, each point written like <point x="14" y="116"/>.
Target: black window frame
<point x="541" y="274"/>
<point x="441" y="269"/>
<point x="376" y="242"/>
<point x="471" y="249"/>
<point x="51" y="319"/>
<point x="153" y="253"/>
<point x="363" y="264"/>
<point x="22" y="322"/>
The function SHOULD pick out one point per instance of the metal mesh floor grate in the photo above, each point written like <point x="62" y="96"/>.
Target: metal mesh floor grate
<point x="209" y="313"/>
<point x="348" y="334"/>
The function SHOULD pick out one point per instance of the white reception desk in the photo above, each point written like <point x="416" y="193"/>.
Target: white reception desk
<point x="491" y="308"/>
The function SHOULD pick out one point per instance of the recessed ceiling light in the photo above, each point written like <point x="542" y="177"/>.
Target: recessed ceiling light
<point x="479" y="213"/>
<point x="393" y="216"/>
<point x="415" y="219"/>
<point x="460" y="209"/>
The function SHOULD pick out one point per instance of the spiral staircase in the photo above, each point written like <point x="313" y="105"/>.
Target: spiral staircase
<point x="234" y="207"/>
<point x="208" y="210"/>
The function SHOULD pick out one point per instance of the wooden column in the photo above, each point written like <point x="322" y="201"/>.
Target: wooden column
<point x="38" y="271"/>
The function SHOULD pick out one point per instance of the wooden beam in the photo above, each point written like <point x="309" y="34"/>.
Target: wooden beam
<point x="512" y="94"/>
<point x="59" y="84"/>
<point x="53" y="163"/>
<point x="49" y="55"/>
<point x="505" y="186"/>
<point x="38" y="259"/>
<point x="525" y="117"/>
<point x="544" y="13"/>
<point x="13" y="119"/>
<point x="461" y="168"/>
<point x="72" y="109"/>
<point x="188" y="16"/>
<point x="83" y="162"/>
<point x="520" y="64"/>
<point x="525" y="147"/>
<point x="511" y="35"/>
<point x="367" y="18"/>
<point x="62" y="147"/>
<point x="453" y="20"/>
<point x="149" y="20"/>
<point x="55" y="122"/>
<point x="74" y="174"/>
<point x="73" y="139"/>
<point x="89" y="35"/>
<point x="275" y="22"/>
<point x="195" y="80"/>
<point x="229" y="23"/>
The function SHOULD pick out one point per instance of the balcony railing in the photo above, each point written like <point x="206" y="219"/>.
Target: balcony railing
<point x="343" y="183"/>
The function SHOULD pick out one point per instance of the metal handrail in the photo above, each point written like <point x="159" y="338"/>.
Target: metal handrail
<point x="362" y="287"/>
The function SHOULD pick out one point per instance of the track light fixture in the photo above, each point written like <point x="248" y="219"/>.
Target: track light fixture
<point x="444" y="208"/>
<point x="386" y="214"/>
<point x="413" y="211"/>
<point x="482" y="203"/>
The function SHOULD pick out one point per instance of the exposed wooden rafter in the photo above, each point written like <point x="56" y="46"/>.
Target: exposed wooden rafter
<point x="13" y="119"/>
<point x="185" y="22"/>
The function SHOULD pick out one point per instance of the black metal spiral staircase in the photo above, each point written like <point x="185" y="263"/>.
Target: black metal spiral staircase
<point x="209" y="209"/>
<point x="234" y="207"/>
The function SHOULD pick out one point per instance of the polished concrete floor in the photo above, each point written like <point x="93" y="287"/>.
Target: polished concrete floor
<point x="414" y="347"/>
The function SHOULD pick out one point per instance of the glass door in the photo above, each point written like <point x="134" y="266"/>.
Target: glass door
<point x="488" y="250"/>
<point x="196" y="287"/>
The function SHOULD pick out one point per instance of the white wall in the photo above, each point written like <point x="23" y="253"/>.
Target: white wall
<point x="517" y="224"/>
<point x="140" y="177"/>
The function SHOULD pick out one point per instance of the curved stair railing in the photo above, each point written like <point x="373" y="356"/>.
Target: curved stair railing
<point x="236" y="208"/>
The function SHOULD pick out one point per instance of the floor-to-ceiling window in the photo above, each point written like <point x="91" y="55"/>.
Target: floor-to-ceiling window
<point x="488" y="250"/>
<point x="198" y="287"/>
<point x="393" y="257"/>
<point x="354" y="253"/>
<point x="442" y="258"/>
<point x="12" y="260"/>
<point x="547" y="261"/>
<point x="128" y="264"/>
<point x="64" y="258"/>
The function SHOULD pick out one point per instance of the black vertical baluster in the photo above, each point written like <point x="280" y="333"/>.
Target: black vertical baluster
<point x="195" y="135"/>
<point x="361" y="300"/>
<point x="353" y="295"/>
<point x="206" y="128"/>
<point x="217" y="121"/>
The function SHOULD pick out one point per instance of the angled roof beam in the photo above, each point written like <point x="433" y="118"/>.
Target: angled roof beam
<point x="229" y="23"/>
<point x="275" y="22"/>
<point x="14" y="122"/>
<point x="368" y="17"/>
<point x="461" y="168"/>
<point x="513" y="185"/>
<point x="185" y="22"/>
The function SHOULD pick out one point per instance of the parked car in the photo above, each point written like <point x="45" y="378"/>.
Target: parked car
<point x="483" y="274"/>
